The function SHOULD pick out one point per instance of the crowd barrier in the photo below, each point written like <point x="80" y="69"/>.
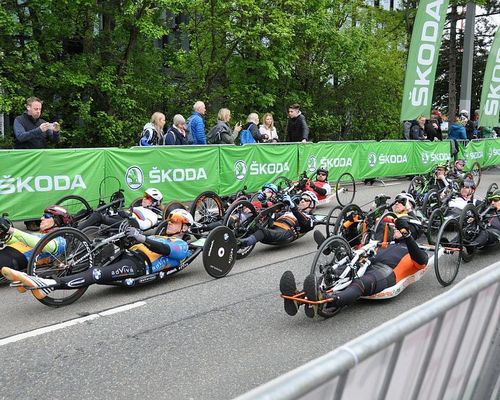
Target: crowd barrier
<point x="31" y="179"/>
<point x="447" y="348"/>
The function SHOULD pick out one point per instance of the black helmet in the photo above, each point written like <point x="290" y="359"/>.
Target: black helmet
<point x="323" y="171"/>
<point x="469" y="183"/>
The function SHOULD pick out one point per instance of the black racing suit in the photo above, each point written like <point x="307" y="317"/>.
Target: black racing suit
<point x="491" y="233"/>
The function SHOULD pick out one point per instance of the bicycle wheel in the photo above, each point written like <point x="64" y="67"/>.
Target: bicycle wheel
<point x="345" y="189"/>
<point x="73" y="255"/>
<point x="282" y="182"/>
<point x="383" y="229"/>
<point x="431" y="202"/>
<point x="77" y="206"/>
<point x="238" y="218"/>
<point x="470" y="224"/>
<point x="475" y="173"/>
<point x="347" y="224"/>
<point x="331" y="219"/>
<point x="434" y="223"/>
<point x="207" y="207"/>
<point x="447" y="253"/>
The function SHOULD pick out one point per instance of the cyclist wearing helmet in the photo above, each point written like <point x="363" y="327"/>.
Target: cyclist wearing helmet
<point x="440" y="179"/>
<point x="465" y="196"/>
<point x="457" y="172"/>
<point x="320" y="186"/>
<point x="490" y="234"/>
<point x="143" y="217"/>
<point x="18" y="245"/>
<point x="289" y="224"/>
<point x="267" y="196"/>
<point x="146" y="255"/>
<point x="388" y="266"/>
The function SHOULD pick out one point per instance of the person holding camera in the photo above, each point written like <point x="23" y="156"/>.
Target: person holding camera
<point x="33" y="132"/>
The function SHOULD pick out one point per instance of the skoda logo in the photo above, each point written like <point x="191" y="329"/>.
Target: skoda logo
<point x="490" y="153"/>
<point x="311" y="163"/>
<point x="240" y="169"/>
<point x="134" y="177"/>
<point x="425" y="158"/>
<point x="372" y="159"/>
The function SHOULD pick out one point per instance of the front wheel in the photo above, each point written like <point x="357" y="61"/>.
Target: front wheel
<point x="434" y="223"/>
<point x="207" y="207"/>
<point x="448" y="252"/>
<point x="345" y="189"/>
<point x="470" y="225"/>
<point x="239" y="216"/>
<point x="475" y="173"/>
<point x="63" y="252"/>
<point x="347" y="224"/>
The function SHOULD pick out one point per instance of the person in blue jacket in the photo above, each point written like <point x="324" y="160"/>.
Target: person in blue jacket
<point x="457" y="130"/>
<point x="196" y="124"/>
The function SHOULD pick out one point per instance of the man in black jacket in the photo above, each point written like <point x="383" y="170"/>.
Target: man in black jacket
<point x="296" y="127"/>
<point x="31" y="131"/>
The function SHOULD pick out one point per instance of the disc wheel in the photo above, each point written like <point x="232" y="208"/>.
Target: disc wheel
<point x="238" y="217"/>
<point x="434" y="223"/>
<point x="331" y="219"/>
<point x="345" y="189"/>
<point x="475" y="173"/>
<point x="470" y="224"/>
<point x="448" y="252"/>
<point x="77" y="206"/>
<point x="348" y="222"/>
<point x="207" y="208"/>
<point x="325" y="271"/>
<point x="74" y="255"/>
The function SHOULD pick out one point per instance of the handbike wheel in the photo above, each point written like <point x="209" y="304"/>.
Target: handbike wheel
<point x="431" y="202"/>
<point x="238" y="218"/>
<point x="76" y="206"/>
<point x="434" y="223"/>
<point x="219" y="252"/>
<point x="447" y="253"/>
<point x="475" y="173"/>
<point x="345" y="189"/>
<point x="282" y="182"/>
<point x="470" y="223"/>
<point x="347" y="229"/>
<point x="207" y="207"/>
<point x="73" y="255"/>
<point x="383" y="230"/>
<point x="331" y="219"/>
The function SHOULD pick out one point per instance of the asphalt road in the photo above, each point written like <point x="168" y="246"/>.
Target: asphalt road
<point x="189" y="337"/>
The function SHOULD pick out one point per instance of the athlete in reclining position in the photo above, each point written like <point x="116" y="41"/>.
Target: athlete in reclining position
<point x="320" y="186"/>
<point x="148" y="255"/>
<point x="19" y="245"/>
<point x="143" y="217"/>
<point x="389" y="266"/>
<point x="289" y="224"/>
<point x="464" y="197"/>
<point x="490" y="234"/>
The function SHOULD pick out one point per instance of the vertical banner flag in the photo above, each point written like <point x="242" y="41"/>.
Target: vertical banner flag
<point x="422" y="59"/>
<point x="490" y="95"/>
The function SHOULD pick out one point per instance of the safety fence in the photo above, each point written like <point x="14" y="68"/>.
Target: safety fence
<point x="30" y="179"/>
<point x="447" y="348"/>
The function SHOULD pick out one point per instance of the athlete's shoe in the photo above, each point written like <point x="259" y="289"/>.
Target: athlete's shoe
<point x="288" y="287"/>
<point x="319" y="238"/>
<point x="312" y="293"/>
<point x="40" y="287"/>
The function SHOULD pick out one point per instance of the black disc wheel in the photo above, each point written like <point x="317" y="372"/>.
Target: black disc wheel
<point x="239" y="217"/>
<point x="219" y="252"/>
<point x="76" y="206"/>
<point x="63" y="252"/>
<point x="349" y="224"/>
<point x="434" y="224"/>
<point x="431" y="202"/>
<point x="345" y="189"/>
<point x="475" y="173"/>
<point x="207" y="208"/>
<point x="448" y="252"/>
<point x="470" y="224"/>
<point x="331" y="219"/>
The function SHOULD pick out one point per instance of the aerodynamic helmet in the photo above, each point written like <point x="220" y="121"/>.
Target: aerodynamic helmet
<point x="182" y="216"/>
<point x="311" y="196"/>
<point x="404" y="198"/>
<point x="270" y="186"/>
<point x="155" y="194"/>
<point x="60" y="215"/>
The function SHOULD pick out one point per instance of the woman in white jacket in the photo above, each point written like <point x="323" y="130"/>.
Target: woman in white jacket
<point x="267" y="129"/>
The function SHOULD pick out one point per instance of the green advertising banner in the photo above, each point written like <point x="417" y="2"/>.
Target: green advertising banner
<point x="336" y="157"/>
<point x="254" y="165"/>
<point x="179" y="172"/>
<point x="33" y="179"/>
<point x="490" y="94"/>
<point x="486" y="152"/>
<point x="422" y="59"/>
<point x="492" y="152"/>
<point x="429" y="154"/>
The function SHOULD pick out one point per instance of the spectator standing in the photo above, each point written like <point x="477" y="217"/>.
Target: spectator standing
<point x="417" y="130"/>
<point x="253" y="126"/>
<point x="176" y="134"/>
<point x="457" y="129"/>
<point x="436" y="120"/>
<point x="196" y="123"/>
<point x="468" y="124"/>
<point x="152" y="133"/>
<point x="33" y="132"/>
<point x="221" y="133"/>
<point x="296" y="127"/>
<point x="268" y="129"/>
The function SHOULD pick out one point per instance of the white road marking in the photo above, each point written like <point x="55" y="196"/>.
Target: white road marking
<point x="62" y="325"/>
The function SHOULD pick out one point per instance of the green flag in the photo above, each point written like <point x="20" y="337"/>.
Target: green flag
<point x="490" y="95"/>
<point x="422" y="59"/>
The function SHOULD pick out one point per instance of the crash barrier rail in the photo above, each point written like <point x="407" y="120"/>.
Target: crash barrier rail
<point x="447" y="348"/>
<point x="182" y="172"/>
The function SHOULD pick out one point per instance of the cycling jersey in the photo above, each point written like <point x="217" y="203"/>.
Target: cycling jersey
<point x="321" y="189"/>
<point x="25" y="242"/>
<point x="178" y="251"/>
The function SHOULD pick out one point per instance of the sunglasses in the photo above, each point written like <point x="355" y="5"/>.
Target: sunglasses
<point x="321" y="173"/>
<point x="402" y="202"/>
<point x="47" y="215"/>
<point x="305" y="199"/>
<point x="495" y="199"/>
<point x="148" y="197"/>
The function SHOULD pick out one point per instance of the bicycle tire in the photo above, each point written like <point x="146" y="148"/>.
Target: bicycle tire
<point x="449" y="243"/>
<point x="341" y="230"/>
<point x="475" y="172"/>
<point x="207" y="207"/>
<point x="434" y="223"/>
<point x="331" y="219"/>
<point x="76" y="206"/>
<point x="345" y="189"/>
<point x="238" y="221"/>
<point x="431" y="202"/>
<point x="470" y="230"/>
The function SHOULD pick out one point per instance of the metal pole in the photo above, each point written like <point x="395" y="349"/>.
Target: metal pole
<point x="466" y="83"/>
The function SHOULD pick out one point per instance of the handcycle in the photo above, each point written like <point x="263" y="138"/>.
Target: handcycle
<point x="4" y="238"/>
<point x="81" y="253"/>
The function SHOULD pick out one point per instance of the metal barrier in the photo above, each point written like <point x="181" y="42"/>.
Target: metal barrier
<point x="447" y="348"/>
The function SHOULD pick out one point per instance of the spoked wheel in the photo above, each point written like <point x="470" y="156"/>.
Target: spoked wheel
<point x="431" y="202"/>
<point x="470" y="224"/>
<point x="447" y="253"/>
<point x="345" y="189"/>
<point x="331" y="219"/>
<point x="348" y="222"/>
<point x="475" y="173"/>
<point x="383" y="229"/>
<point x="77" y="206"/>
<point x="63" y="252"/>
<point x="282" y="182"/>
<point x="434" y="223"/>
<point x="238" y="218"/>
<point x="328" y="273"/>
<point x="207" y="208"/>
<point x="417" y="185"/>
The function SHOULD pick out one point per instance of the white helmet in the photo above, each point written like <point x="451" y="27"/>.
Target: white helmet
<point x="155" y="194"/>
<point x="312" y="196"/>
<point x="180" y="215"/>
<point x="404" y="198"/>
